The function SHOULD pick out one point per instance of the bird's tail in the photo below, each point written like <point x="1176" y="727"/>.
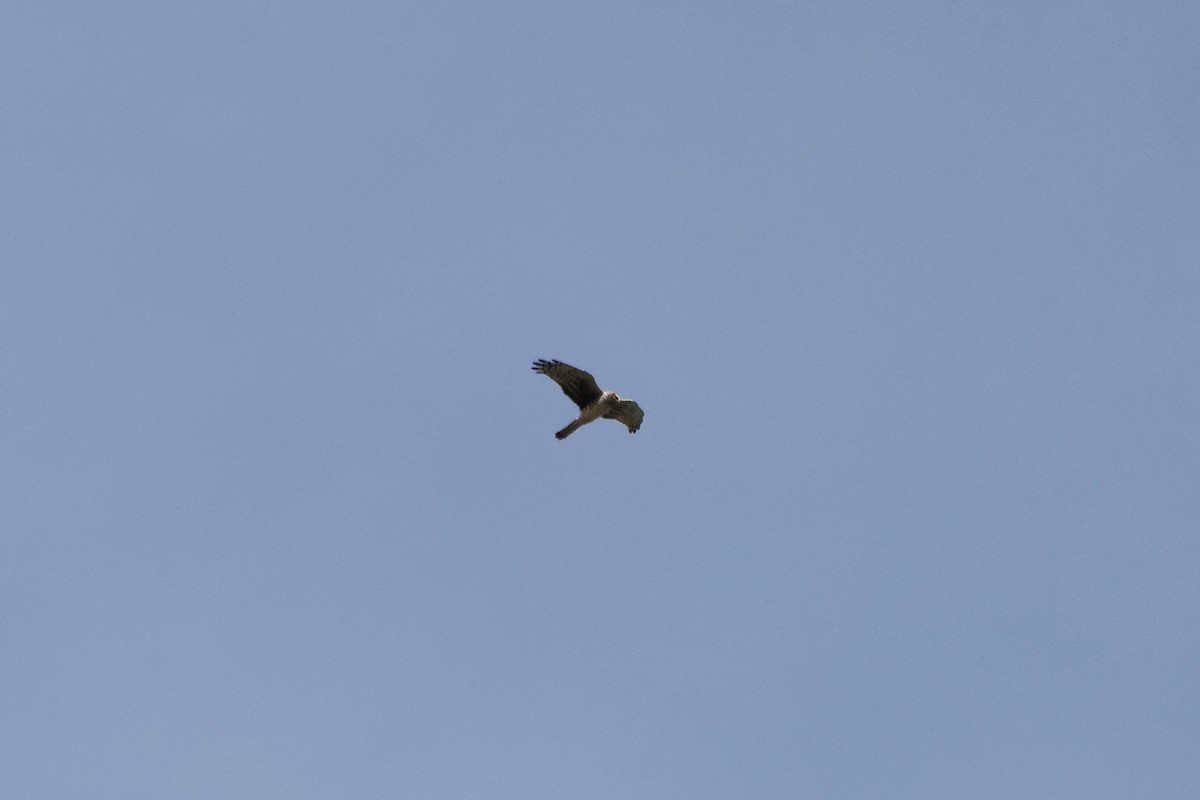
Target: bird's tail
<point x="567" y="431"/>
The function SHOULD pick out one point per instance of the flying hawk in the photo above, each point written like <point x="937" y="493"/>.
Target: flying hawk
<point x="593" y="404"/>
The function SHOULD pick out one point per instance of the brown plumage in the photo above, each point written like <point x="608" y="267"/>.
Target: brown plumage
<point x="593" y="403"/>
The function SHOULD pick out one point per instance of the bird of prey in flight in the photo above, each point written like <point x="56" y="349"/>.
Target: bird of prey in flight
<point x="593" y="404"/>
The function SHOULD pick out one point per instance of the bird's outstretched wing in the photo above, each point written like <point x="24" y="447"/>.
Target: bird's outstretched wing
<point x="628" y="413"/>
<point x="576" y="384"/>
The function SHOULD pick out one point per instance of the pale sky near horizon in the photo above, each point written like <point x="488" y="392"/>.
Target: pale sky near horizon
<point x="908" y="292"/>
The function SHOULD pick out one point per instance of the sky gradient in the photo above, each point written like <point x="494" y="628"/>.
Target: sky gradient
<point x="907" y="291"/>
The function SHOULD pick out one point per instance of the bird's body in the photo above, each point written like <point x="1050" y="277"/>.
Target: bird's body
<point x="593" y="404"/>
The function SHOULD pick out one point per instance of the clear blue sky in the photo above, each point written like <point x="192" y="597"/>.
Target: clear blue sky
<point x="909" y="293"/>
